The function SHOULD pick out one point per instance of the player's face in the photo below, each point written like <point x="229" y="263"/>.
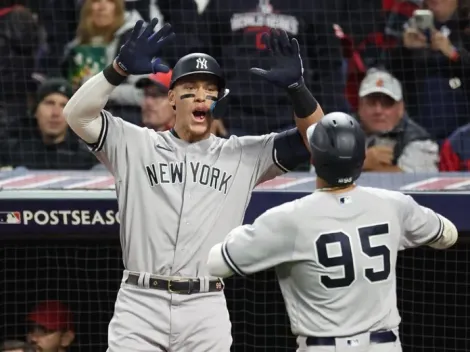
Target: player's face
<point x="379" y="113"/>
<point x="47" y="341"/>
<point x="50" y="117"/>
<point x="103" y="12"/>
<point x="156" y="109"/>
<point x="192" y="98"/>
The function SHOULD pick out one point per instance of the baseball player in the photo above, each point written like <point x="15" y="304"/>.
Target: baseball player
<point x="180" y="191"/>
<point x="335" y="250"/>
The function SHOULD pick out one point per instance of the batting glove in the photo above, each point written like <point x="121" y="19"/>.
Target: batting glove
<point x="286" y="70"/>
<point x="138" y="56"/>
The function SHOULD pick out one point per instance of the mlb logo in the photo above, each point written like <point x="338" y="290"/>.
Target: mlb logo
<point x="10" y="218"/>
<point x="345" y="200"/>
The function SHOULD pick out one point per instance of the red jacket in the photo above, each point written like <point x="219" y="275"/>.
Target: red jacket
<point x="455" y="152"/>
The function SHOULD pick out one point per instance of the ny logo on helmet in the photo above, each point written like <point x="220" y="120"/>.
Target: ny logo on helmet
<point x="201" y="63"/>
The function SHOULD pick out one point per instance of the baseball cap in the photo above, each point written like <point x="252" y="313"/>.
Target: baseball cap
<point x="53" y="315"/>
<point x="50" y="86"/>
<point x="160" y="79"/>
<point x="378" y="81"/>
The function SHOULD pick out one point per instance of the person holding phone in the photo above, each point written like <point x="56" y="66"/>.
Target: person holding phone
<point x="433" y="63"/>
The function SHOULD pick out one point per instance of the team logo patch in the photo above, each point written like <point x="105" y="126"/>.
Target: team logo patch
<point x="10" y="218"/>
<point x="201" y="63"/>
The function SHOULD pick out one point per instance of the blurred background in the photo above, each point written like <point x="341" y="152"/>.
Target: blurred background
<point x="401" y="67"/>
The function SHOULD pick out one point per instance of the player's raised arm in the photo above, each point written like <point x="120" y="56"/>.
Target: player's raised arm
<point x="136" y="56"/>
<point x="286" y="72"/>
<point x="423" y="226"/>
<point x="248" y="249"/>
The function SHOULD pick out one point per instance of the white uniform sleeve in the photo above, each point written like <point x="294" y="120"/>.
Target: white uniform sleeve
<point x="259" y="152"/>
<point x="106" y="135"/>
<point x="268" y="242"/>
<point x="421" y="225"/>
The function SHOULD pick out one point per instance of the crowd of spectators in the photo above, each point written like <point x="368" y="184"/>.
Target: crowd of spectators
<point x="405" y="77"/>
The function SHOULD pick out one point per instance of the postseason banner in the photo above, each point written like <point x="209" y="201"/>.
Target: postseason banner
<point x="84" y="217"/>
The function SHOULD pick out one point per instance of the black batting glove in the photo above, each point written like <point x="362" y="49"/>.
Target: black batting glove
<point x="139" y="55"/>
<point x="286" y="70"/>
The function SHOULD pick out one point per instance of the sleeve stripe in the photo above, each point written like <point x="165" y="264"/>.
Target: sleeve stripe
<point x="103" y="133"/>
<point x="439" y="233"/>
<point x="278" y="164"/>
<point x="228" y="260"/>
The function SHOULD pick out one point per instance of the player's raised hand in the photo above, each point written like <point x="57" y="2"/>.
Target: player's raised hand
<point x="286" y="70"/>
<point x="139" y="55"/>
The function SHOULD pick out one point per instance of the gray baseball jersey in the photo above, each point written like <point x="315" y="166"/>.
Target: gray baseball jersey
<point x="177" y="199"/>
<point x="335" y="256"/>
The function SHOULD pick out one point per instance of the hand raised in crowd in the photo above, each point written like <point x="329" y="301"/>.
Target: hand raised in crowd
<point x="441" y="42"/>
<point x="378" y="156"/>
<point x="414" y="39"/>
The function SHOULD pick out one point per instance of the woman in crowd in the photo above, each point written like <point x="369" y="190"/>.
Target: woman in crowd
<point x="103" y="28"/>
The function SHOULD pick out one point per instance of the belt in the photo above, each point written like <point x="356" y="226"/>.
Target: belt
<point x="375" y="337"/>
<point x="180" y="286"/>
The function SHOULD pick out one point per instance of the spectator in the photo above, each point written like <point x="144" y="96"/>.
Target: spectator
<point x="434" y="65"/>
<point x="51" y="328"/>
<point x="455" y="151"/>
<point x="45" y="142"/>
<point x="16" y="346"/>
<point x="395" y="143"/>
<point x="157" y="113"/>
<point x="233" y="33"/>
<point x="103" y="28"/>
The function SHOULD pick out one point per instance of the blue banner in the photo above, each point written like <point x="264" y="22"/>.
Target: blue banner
<point x="92" y="217"/>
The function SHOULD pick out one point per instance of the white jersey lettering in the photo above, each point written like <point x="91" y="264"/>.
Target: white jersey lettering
<point x="177" y="199"/>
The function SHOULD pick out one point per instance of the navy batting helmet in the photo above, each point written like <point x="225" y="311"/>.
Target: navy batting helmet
<point x="197" y="63"/>
<point x="338" y="147"/>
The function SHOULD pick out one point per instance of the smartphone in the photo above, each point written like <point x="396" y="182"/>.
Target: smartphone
<point x="423" y="20"/>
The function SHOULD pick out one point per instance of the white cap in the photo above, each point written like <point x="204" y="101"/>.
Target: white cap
<point x="377" y="81"/>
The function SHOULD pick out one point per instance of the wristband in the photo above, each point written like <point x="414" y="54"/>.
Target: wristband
<point x="455" y="55"/>
<point x="302" y="100"/>
<point x="112" y="76"/>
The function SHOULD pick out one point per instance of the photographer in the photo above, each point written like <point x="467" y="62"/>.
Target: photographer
<point x="433" y="63"/>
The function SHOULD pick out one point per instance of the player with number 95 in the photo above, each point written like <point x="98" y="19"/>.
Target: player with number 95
<point x="335" y="250"/>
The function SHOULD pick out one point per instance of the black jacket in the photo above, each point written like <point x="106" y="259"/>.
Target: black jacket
<point x="232" y="30"/>
<point x="28" y="150"/>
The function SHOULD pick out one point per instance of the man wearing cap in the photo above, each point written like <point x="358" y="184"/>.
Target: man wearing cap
<point x="45" y="141"/>
<point x="395" y="143"/>
<point x="157" y="113"/>
<point x="51" y="327"/>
